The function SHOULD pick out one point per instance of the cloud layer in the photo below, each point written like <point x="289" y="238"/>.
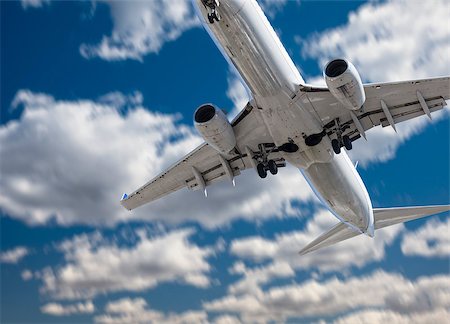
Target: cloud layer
<point x="93" y="265"/>
<point x="127" y="310"/>
<point x="312" y="299"/>
<point x="431" y="240"/>
<point x="56" y="309"/>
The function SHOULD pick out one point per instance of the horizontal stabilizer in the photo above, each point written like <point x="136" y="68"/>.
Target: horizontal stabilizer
<point x="383" y="217"/>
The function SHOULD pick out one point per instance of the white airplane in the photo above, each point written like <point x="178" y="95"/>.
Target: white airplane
<point x="289" y="120"/>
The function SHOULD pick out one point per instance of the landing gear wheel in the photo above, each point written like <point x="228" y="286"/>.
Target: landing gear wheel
<point x="262" y="172"/>
<point x="210" y="18"/>
<point x="347" y="142"/>
<point x="336" y="146"/>
<point x="215" y="15"/>
<point x="272" y="167"/>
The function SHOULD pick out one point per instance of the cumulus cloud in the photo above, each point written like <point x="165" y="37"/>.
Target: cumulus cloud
<point x="237" y="93"/>
<point x="127" y="310"/>
<point x="227" y="319"/>
<point x="381" y="290"/>
<point x="93" y="265"/>
<point x="272" y="7"/>
<point x="382" y="143"/>
<point x="56" y="309"/>
<point x="253" y="278"/>
<point x="381" y="316"/>
<point x="14" y="255"/>
<point x="142" y="27"/>
<point x="384" y="46"/>
<point x="283" y="250"/>
<point x="431" y="240"/>
<point x="70" y="161"/>
<point x="26" y="275"/>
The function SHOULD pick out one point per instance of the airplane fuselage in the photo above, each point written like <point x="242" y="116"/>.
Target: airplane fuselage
<point x="248" y="41"/>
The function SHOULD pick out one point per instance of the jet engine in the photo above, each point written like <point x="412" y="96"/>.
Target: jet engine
<point x="345" y="84"/>
<point x="215" y="128"/>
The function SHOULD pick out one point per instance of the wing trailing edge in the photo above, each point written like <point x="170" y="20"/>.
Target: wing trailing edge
<point x="383" y="217"/>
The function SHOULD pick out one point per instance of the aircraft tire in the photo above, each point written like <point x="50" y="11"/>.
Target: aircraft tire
<point x="336" y="146"/>
<point x="347" y="142"/>
<point x="262" y="172"/>
<point x="272" y="167"/>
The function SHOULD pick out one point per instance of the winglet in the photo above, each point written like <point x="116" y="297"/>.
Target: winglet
<point x="125" y="196"/>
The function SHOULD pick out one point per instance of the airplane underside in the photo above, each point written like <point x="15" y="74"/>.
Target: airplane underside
<point x="289" y="121"/>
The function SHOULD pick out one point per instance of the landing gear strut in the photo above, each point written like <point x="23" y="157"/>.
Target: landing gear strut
<point x="264" y="163"/>
<point x="341" y="140"/>
<point x="211" y="6"/>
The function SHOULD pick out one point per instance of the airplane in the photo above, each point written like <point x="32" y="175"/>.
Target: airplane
<point x="290" y="121"/>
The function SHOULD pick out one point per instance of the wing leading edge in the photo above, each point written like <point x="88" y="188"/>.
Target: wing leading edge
<point x="204" y="165"/>
<point x="383" y="217"/>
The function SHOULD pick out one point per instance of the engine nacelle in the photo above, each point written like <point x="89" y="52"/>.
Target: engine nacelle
<point x="345" y="84"/>
<point x="215" y="128"/>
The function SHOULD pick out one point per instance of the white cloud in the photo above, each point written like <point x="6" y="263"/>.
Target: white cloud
<point x="227" y="319"/>
<point x="431" y="240"/>
<point x="272" y="7"/>
<point x="381" y="316"/>
<point x="255" y="277"/>
<point x="284" y="261"/>
<point x="136" y="310"/>
<point x="357" y="251"/>
<point x="33" y="3"/>
<point x="85" y="154"/>
<point x="142" y="27"/>
<point x="93" y="265"/>
<point x="14" y="255"/>
<point x="384" y="45"/>
<point x="126" y="305"/>
<point x="118" y="99"/>
<point x="56" y="309"/>
<point x="379" y="290"/>
<point x="237" y="93"/>
<point x="26" y="275"/>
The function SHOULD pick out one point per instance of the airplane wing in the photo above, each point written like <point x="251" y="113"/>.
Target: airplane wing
<point x="383" y="217"/>
<point x="204" y="165"/>
<point x="386" y="104"/>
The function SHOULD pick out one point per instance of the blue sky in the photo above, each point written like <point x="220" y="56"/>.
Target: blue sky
<point x="97" y="97"/>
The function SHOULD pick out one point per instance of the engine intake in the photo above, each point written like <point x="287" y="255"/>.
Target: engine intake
<point x="215" y="128"/>
<point x="336" y="68"/>
<point x="204" y="113"/>
<point x="345" y="84"/>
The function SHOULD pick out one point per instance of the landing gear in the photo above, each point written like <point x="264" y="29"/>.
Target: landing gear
<point x="341" y="140"/>
<point x="265" y="164"/>
<point x="213" y="16"/>
<point x="211" y="6"/>
<point x="262" y="168"/>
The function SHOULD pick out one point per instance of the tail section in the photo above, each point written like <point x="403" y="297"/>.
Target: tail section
<point x="383" y="217"/>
